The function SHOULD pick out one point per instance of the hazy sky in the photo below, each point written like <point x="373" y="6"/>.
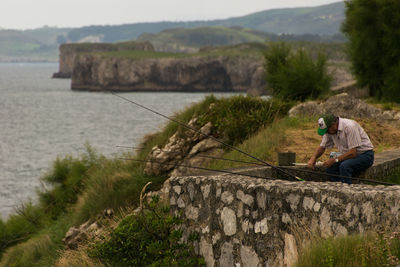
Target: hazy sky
<point x="29" y="14"/>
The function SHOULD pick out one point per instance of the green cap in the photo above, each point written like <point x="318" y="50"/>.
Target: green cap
<point x="324" y="122"/>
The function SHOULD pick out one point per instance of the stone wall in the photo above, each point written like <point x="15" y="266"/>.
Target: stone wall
<point x="256" y="222"/>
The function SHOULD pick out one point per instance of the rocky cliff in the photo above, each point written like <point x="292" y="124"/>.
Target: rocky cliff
<point x="192" y="73"/>
<point x="68" y="53"/>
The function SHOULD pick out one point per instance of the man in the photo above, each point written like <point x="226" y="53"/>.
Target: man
<point x="356" y="150"/>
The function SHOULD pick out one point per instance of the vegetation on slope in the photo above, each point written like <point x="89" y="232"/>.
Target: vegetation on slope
<point x="371" y="249"/>
<point x="188" y="40"/>
<point x="84" y="187"/>
<point x="151" y="237"/>
<point x="335" y="52"/>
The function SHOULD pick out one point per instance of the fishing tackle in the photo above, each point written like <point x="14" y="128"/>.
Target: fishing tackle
<point x="264" y="163"/>
<point x="282" y="167"/>
<point x="210" y="136"/>
<point x="199" y="168"/>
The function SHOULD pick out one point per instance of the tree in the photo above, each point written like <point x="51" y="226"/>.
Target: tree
<point x="295" y="75"/>
<point x="373" y="30"/>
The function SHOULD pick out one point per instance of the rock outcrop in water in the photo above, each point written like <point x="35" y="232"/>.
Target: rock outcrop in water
<point x="68" y="53"/>
<point x="96" y="72"/>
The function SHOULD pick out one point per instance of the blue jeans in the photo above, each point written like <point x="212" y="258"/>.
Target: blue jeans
<point x="352" y="166"/>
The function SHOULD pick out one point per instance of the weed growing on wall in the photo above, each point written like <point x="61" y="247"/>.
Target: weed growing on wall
<point x="150" y="238"/>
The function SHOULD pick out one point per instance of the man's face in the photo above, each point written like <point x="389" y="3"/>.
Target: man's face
<point x="333" y="128"/>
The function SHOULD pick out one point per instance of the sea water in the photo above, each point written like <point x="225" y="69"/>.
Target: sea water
<point x="42" y="119"/>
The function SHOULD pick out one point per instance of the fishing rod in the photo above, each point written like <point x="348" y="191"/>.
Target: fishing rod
<point x="204" y="156"/>
<point x="282" y="167"/>
<point x="340" y="176"/>
<point x="209" y="136"/>
<point x="199" y="168"/>
<point x="256" y="176"/>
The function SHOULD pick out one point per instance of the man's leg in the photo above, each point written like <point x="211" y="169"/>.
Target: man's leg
<point x="356" y="165"/>
<point x="334" y="169"/>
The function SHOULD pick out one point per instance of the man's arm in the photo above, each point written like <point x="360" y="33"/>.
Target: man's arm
<point x="352" y="153"/>
<point x="311" y="163"/>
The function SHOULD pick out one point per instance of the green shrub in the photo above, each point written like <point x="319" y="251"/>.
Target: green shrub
<point x="227" y="115"/>
<point x="67" y="179"/>
<point x="19" y="227"/>
<point x="150" y="238"/>
<point x="264" y="144"/>
<point x="41" y="249"/>
<point x="238" y="117"/>
<point x="114" y="185"/>
<point x="295" y="75"/>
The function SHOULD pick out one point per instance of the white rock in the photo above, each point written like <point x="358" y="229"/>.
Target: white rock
<point x="228" y="219"/>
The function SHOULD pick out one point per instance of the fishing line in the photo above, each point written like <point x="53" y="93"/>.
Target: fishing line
<point x="199" y="168"/>
<point x="208" y="136"/>
<point x="204" y="156"/>
<point x="340" y="176"/>
<point x="282" y="167"/>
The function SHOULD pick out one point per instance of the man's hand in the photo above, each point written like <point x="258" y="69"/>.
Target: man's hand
<point x="311" y="163"/>
<point x="329" y="162"/>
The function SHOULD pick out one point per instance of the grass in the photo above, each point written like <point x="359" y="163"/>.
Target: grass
<point x="369" y="250"/>
<point x="387" y="105"/>
<point x="139" y="55"/>
<point x="77" y="258"/>
<point x="247" y="50"/>
<point x="42" y="249"/>
<point x="394" y="176"/>
<point x="83" y="188"/>
<point x="252" y="50"/>
<point x="263" y="145"/>
<point x="115" y="185"/>
<point x="201" y="36"/>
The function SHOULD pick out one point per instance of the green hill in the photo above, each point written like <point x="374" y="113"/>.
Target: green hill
<point x="30" y="45"/>
<point x="187" y="40"/>
<point x="321" y="20"/>
<point x="310" y="24"/>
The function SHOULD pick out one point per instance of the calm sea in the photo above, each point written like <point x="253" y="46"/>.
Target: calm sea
<point x="42" y="119"/>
